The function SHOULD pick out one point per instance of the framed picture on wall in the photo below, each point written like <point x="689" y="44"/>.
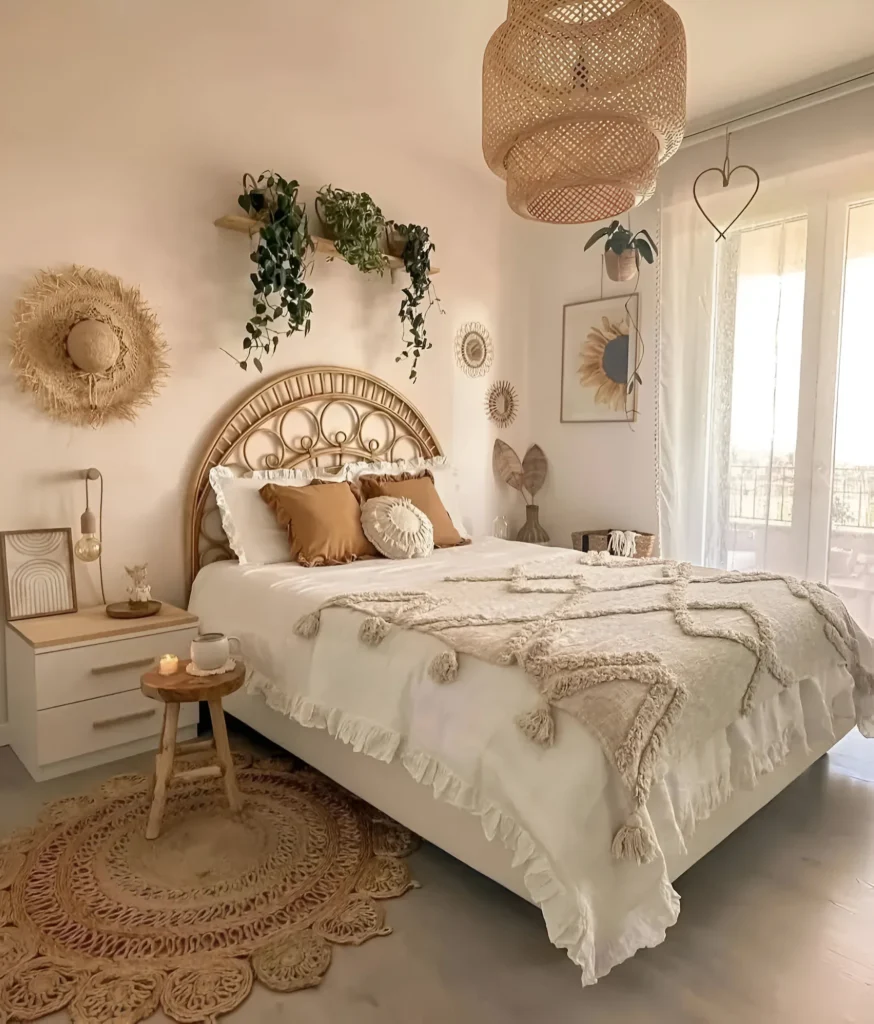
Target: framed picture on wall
<point x="599" y="357"/>
<point x="38" y="575"/>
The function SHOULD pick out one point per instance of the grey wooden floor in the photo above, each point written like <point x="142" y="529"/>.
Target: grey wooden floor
<point x="777" y="925"/>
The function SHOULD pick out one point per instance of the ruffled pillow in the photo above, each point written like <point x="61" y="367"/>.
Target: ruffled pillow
<point x="396" y="528"/>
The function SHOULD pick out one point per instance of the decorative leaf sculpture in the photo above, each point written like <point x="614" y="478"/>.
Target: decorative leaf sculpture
<point x="507" y="465"/>
<point x="526" y="476"/>
<point x="534" y="467"/>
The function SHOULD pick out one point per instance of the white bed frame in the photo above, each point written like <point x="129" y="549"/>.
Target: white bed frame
<point x="257" y="436"/>
<point x="393" y="790"/>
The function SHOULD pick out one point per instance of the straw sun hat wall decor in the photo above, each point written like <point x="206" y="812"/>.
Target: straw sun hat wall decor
<point x="582" y="101"/>
<point x="87" y="347"/>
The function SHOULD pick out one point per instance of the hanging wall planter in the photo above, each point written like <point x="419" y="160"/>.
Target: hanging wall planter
<point x="281" y="298"/>
<point x="355" y="224"/>
<point x="412" y="243"/>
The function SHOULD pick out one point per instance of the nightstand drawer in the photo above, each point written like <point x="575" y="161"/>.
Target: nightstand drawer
<point x="81" y="673"/>
<point x="90" y="725"/>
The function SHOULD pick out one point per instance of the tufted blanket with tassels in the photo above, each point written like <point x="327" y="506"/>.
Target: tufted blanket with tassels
<point x="651" y="656"/>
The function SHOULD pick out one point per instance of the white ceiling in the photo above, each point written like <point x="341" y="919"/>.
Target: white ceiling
<point x="740" y="51"/>
<point x="743" y="50"/>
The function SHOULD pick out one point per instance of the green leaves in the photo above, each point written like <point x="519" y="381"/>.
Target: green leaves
<point x="643" y="247"/>
<point x="281" y="299"/>
<point x="284" y="244"/>
<point x="598" y="234"/>
<point x="619" y="239"/>
<point x="356" y="225"/>
<point x="417" y="263"/>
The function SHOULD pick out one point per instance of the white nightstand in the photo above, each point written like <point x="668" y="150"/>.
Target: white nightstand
<point x="73" y="685"/>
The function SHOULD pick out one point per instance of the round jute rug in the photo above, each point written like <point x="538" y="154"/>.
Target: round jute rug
<point x="98" y="919"/>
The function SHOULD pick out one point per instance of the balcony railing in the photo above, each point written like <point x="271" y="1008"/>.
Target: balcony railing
<point x="765" y="494"/>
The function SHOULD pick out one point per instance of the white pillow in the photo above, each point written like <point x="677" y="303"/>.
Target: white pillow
<point x="249" y="523"/>
<point x="446" y="481"/>
<point x="396" y="528"/>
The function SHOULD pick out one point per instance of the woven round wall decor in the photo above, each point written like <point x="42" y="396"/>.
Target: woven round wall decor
<point x="474" y="351"/>
<point x="582" y="102"/>
<point x="87" y="347"/>
<point x="502" y="403"/>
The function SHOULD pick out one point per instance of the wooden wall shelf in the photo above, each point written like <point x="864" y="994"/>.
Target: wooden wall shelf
<point x="249" y="226"/>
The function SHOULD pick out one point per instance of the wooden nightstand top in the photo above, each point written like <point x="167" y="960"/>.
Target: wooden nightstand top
<point x="94" y="624"/>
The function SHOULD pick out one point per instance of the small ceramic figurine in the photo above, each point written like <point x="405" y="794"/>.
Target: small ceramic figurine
<point x="139" y="591"/>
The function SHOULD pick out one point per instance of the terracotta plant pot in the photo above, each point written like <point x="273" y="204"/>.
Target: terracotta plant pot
<point x="622" y="267"/>
<point x="395" y="242"/>
<point x="532" y="532"/>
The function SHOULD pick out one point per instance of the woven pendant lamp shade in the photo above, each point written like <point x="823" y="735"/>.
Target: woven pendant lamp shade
<point x="582" y="101"/>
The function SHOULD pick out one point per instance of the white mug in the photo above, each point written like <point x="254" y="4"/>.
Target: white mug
<point x="209" y="651"/>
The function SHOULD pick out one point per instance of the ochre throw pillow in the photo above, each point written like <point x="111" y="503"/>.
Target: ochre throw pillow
<point x="323" y="522"/>
<point x="420" y="490"/>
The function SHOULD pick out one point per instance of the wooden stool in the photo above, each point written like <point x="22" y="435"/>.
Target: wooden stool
<point x="180" y="688"/>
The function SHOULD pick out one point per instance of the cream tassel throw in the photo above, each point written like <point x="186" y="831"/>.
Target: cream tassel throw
<point x="373" y="630"/>
<point x="542" y="618"/>
<point x="634" y="841"/>
<point x="444" y="667"/>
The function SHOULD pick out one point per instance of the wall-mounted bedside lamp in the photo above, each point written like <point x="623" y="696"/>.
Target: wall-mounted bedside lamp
<point x="89" y="546"/>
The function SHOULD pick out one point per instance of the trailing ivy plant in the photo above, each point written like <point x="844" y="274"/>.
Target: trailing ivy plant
<point x="281" y="299"/>
<point x="417" y="263"/>
<point x="356" y="226"/>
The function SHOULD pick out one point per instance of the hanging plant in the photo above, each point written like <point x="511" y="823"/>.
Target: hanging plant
<point x="415" y="247"/>
<point x="355" y="224"/>
<point x="623" y="250"/>
<point x="281" y="299"/>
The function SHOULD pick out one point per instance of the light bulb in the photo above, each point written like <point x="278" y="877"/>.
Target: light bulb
<point x="88" y="547"/>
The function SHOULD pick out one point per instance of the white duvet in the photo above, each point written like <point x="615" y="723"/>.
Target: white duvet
<point x="555" y="809"/>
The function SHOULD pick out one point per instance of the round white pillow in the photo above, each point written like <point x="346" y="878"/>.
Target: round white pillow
<point x="396" y="528"/>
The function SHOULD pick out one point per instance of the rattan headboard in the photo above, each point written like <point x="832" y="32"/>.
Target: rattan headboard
<point x="323" y="415"/>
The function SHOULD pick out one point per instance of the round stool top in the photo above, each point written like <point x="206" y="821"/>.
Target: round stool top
<point x="180" y="688"/>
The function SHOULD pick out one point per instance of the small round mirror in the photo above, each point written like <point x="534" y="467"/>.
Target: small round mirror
<point x="502" y="403"/>
<point x="473" y="350"/>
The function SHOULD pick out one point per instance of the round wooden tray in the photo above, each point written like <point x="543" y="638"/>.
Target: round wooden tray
<point x="123" y="610"/>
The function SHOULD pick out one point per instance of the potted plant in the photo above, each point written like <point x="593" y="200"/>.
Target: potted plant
<point x="413" y="245"/>
<point x="355" y="224"/>
<point x="281" y="298"/>
<point x="622" y="250"/>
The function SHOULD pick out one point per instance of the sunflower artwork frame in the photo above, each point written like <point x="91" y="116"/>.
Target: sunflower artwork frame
<point x="599" y="357"/>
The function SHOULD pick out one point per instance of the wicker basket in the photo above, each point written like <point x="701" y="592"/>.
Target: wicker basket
<point x="599" y="540"/>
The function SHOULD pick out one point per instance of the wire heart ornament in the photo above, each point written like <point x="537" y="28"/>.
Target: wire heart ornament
<point x="726" y="173"/>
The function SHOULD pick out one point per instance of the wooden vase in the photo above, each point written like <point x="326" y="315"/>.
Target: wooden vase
<point x="621" y="267"/>
<point x="532" y="532"/>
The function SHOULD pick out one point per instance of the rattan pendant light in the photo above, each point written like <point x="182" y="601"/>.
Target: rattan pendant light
<point x="582" y="101"/>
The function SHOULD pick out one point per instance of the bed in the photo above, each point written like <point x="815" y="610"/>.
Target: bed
<point x="447" y="756"/>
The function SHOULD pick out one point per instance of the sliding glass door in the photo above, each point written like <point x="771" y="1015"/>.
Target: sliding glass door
<point x="755" y="399"/>
<point x="790" y="447"/>
<point x="850" y="563"/>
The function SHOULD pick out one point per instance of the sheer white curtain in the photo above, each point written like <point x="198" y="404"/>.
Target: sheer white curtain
<point x="750" y="347"/>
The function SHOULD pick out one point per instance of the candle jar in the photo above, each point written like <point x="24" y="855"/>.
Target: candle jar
<point x="168" y="665"/>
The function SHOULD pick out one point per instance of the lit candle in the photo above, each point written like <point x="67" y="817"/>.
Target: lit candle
<point x="168" y="665"/>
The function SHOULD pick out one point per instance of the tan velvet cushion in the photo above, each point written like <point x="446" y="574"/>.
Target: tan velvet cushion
<point x="420" y="490"/>
<point x="323" y="522"/>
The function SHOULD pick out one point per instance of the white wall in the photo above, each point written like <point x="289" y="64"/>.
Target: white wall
<point x="125" y="129"/>
<point x="602" y="475"/>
